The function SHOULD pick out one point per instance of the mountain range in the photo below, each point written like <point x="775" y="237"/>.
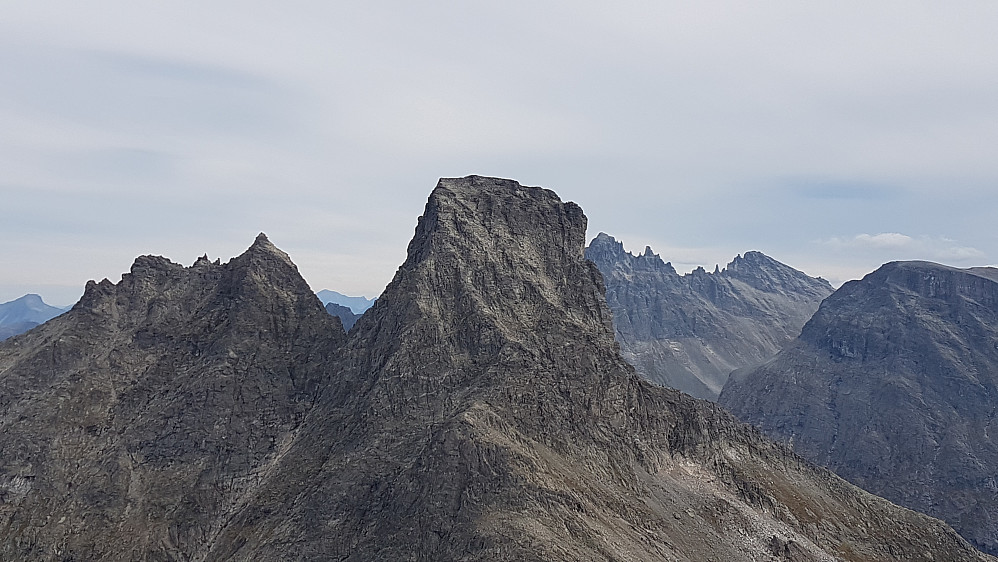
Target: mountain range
<point x="893" y="384"/>
<point x="358" y="305"/>
<point x="480" y="410"/>
<point x="691" y="331"/>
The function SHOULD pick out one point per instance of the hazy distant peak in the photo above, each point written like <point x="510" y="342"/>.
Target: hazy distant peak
<point x="31" y="299"/>
<point x="606" y="251"/>
<point x="24" y="313"/>
<point x="606" y="246"/>
<point x="767" y="274"/>
<point x="357" y="304"/>
<point x="929" y="280"/>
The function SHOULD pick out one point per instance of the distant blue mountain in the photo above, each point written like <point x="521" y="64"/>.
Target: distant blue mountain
<point x="20" y="315"/>
<point x="357" y="304"/>
<point x="346" y="316"/>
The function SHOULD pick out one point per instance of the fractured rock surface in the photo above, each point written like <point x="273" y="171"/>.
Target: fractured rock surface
<point x="894" y="385"/>
<point x="134" y="426"/>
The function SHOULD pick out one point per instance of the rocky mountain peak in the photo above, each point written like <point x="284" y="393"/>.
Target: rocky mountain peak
<point x="492" y="264"/>
<point x="154" y="406"/>
<point x="158" y="291"/>
<point x="263" y="248"/>
<point x="606" y="252"/>
<point x="896" y="289"/>
<point x="479" y="410"/>
<point x="689" y="332"/>
<point x="767" y="274"/>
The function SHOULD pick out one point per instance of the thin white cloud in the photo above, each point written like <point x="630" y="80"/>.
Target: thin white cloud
<point x="896" y="245"/>
<point x="188" y="127"/>
<point x="884" y="240"/>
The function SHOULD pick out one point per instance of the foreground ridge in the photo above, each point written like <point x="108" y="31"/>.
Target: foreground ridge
<point x="480" y="410"/>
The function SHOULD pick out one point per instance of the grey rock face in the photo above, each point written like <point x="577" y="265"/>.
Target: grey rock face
<point x="690" y="331"/>
<point x="346" y="316"/>
<point x="894" y="385"/>
<point x="22" y="314"/>
<point x="479" y="411"/>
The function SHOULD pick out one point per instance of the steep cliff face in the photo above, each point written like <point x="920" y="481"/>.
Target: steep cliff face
<point x="479" y="411"/>
<point x="133" y="425"/>
<point x="894" y="385"/>
<point x="690" y="331"/>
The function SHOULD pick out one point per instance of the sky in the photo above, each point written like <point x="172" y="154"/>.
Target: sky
<point x="831" y="136"/>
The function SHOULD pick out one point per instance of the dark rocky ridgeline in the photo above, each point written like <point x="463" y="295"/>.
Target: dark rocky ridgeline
<point x="894" y="385"/>
<point x="135" y="425"/>
<point x="481" y="411"/>
<point x="346" y="316"/>
<point x="690" y="331"/>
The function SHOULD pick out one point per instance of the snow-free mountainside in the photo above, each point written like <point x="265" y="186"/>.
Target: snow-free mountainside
<point x="480" y="410"/>
<point x="691" y="331"/>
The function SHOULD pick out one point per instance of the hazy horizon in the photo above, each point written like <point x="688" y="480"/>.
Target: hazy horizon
<point x="833" y="138"/>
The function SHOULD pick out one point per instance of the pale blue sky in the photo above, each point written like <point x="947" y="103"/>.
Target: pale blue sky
<point x="832" y="137"/>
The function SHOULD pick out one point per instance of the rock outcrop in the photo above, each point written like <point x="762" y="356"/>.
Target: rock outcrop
<point x="690" y="331"/>
<point x="894" y="385"/>
<point x="479" y="411"/>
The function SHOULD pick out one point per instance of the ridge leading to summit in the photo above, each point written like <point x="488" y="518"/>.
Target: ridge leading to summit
<point x="134" y="425"/>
